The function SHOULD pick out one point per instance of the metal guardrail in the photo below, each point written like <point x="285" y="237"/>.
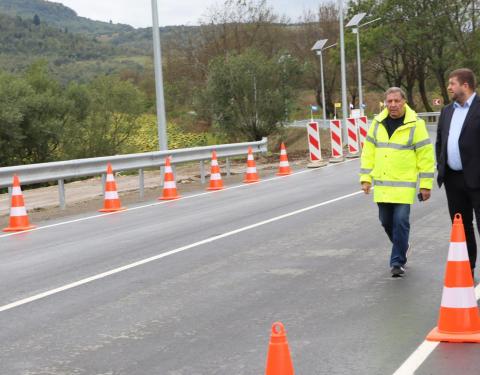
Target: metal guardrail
<point x="431" y="118"/>
<point x="304" y="123"/>
<point x="72" y="169"/>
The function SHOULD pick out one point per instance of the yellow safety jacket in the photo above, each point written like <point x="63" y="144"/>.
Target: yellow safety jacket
<point x="395" y="164"/>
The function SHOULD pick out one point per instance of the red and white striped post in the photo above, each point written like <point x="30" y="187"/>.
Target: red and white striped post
<point x="362" y="129"/>
<point x="353" y="148"/>
<point x="336" y="137"/>
<point x="314" y="145"/>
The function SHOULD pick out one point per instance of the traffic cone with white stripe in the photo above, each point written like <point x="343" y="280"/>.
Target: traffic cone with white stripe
<point x="216" y="182"/>
<point x="279" y="361"/>
<point x="284" y="168"/>
<point x="112" y="201"/>
<point x="251" y="175"/>
<point x="169" y="185"/>
<point x="459" y="319"/>
<point x="18" y="213"/>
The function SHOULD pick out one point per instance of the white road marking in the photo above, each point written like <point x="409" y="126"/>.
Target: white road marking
<point x="165" y="202"/>
<point x="168" y="253"/>
<point x="419" y="356"/>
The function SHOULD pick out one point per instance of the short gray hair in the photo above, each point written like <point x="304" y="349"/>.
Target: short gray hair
<point x="394" y="90"/>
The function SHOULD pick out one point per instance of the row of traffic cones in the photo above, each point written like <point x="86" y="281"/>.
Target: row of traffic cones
<point x="18" y="214"/>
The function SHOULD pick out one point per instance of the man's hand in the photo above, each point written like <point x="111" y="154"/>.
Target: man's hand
<point x="426" y="193"/>
<point x="366" y="186"/>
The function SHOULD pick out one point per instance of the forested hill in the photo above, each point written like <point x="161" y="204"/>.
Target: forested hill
<point x="58" y="15"/>
<point x="76" y="48"/>
<point x="22" y="42"/>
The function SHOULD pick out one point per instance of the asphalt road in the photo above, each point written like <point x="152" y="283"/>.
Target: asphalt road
<point x="219" y="269"/>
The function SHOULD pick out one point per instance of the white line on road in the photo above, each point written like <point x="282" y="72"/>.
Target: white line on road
<point x="419" y="356"/>
<point x="168" y="253"/>
<point x="165" y="202"/>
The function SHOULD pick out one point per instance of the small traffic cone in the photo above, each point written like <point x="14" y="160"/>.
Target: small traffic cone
<point x="216" y="182"/>
<point x="18" y="214"/>
<point x="112" y="201"/>
<point x="169" y="184"/>
<point x="251" y="175"/>
<point x="459" y="319"/>
<point x="278" y="357"/>
<point x="284" y="168"/>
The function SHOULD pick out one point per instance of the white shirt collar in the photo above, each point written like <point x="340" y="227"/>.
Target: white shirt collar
<point x="467" y="104"/>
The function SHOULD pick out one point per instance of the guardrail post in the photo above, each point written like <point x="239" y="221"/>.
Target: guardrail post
<point x="10" y="192"/>
<point x="228" y="167"/>
<point x="141" y="183"/>
<point x="104" y="181"/>
<point x="61" y="194"/>
<point x="202" y="171"/>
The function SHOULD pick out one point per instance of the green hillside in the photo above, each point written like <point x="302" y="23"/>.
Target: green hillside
<point x="60" y="16"/>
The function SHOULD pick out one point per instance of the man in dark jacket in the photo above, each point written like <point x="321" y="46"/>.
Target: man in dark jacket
<point x="458" y="153"/>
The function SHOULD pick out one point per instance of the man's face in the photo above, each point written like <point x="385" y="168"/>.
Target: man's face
<point x="395" y="105"/>
<point x="458" y="92"/>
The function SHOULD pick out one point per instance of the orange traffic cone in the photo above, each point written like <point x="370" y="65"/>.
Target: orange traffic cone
<point x="284" y="168"/>
<point x="251" y="175"/>
<point x="18" y="214"/>
<point x="169" y="185"/>
<point x="459" y="319"/>
<point x="112" y="201"/>
<point x="216" y="182"/>
<point x="278" y="357"/>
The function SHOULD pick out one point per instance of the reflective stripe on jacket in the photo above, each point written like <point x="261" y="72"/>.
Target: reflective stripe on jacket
<point x="394" y="165"/>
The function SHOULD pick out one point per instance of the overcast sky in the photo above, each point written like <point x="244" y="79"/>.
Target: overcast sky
<point x="171" y="12"/>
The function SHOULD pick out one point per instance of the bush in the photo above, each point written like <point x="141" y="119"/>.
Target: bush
<point x="146" y="138"/>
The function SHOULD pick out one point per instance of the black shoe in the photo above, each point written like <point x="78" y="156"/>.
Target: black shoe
<point x="397" y="271"/>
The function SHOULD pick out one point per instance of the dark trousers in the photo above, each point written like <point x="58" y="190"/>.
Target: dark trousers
<point x="465" y="202"/>
<point x="395" y="219"/>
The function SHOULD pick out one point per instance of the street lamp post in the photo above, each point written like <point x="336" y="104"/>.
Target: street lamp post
<point x="319" y="47"/>
<point x="355" y="23"/>
<point x="343" y="73"/>
<point x="359" y="74"/>
<point x="283" y="60"/>
<point x="157" y="52"/>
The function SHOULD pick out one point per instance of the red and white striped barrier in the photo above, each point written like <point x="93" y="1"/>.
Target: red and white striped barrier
<point x="336" y="136"/>
<point x="314" y="144"/>
<point x="362" y="129"/>
<point x="352" y="136"/>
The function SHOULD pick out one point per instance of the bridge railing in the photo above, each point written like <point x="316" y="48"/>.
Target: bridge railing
<point x="74" y="169"/>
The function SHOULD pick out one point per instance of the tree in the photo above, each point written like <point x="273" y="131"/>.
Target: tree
<point x="36" y="20"/>
<point x="103" y="117"/>
<point x="247" y="93"/>
<point x="32" y="115"/>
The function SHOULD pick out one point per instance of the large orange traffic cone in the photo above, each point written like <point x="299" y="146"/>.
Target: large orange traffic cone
<point x="459" y="319"/>
<point x="284" y="168"/>
<point x="169" y="185"/>
<point x="278" y="357"/>
<point x="251" y="175"/>
<point x="112" y="201"/>
<point x="18" y="214"/>
<point x="216" y="182"/>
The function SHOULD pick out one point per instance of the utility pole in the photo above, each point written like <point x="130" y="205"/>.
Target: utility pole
<point x="157" y="52"/>
<point x="343" y="75"/>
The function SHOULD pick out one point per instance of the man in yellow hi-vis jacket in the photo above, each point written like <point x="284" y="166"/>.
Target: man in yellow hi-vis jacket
<point x="396" y="154"/>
